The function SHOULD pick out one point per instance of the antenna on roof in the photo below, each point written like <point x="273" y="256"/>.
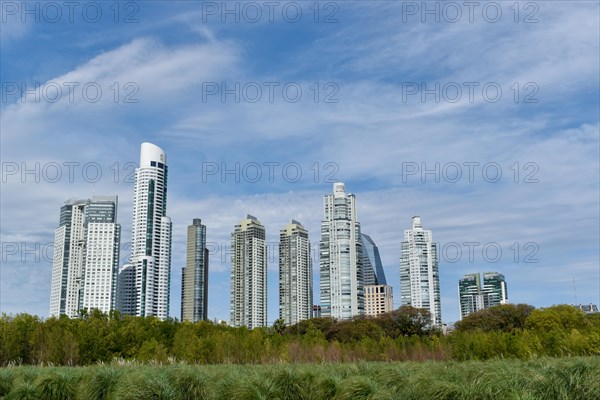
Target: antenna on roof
<point x="575" y="291"/>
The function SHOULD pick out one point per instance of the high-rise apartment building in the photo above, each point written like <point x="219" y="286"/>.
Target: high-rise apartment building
<point x="248" y="301"/>
<point x="295" y="274"/>
<point x="194" y="283"/>
<point x="86" y="257"/>
<point x="470" y="296"/>
<point x="494" y="289"/>
<point x="378" y="299"/>
<point x="419" y="273"/>
<point x="373" y="273"/>
<point x="144" y="283"/>
<point x="340" y="252"/>
<point x="473" y="296"/>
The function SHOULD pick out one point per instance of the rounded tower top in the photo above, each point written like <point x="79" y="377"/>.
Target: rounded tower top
<point x="416" y="222"/>
<point x="339" y="189"/>
<point x="150" y="152"/>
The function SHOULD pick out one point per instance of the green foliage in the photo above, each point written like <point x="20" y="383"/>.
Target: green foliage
<point x="542" y="378"/>
<point x="102" y="384"/>
<point x="505" y="317"/>
<point x="406" y="321"/>
<point x="354" y="330"/>
<point x="557" y="318"/>
<point x="6" y="381"/>
<point x="24" y="391"/>
<point x="56" y="386"/>
<point x="279" y="326"/>
<point x="152" y="350"/>
<point x="15" y="336"/>
<point x="147" y="387"/>
<point x="507" y="331"/>
<point x="191" y="384"/>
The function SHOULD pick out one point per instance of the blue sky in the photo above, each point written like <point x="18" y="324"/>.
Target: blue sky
<point x="386" y="93"/>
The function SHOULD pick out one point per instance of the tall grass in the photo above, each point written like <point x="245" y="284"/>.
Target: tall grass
<point x="546" y="378"/>
<point x="190" y="383"/>
<point x="6" y="381"/>
<point x="57" y="386"/>
<point x="142" y="385"/>
<point x="101" y="385"/>
<point x="24" y="391"/>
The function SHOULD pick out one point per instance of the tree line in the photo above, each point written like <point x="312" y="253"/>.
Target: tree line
<point x="505" y="331"/>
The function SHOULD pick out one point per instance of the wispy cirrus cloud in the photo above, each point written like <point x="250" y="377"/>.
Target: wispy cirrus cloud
<point x="373" y="134"/>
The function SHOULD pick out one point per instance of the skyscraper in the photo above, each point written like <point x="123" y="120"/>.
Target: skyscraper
<point x="144" y="283"/>
<point x="470" y="296"/>
<point x="474" y="297"/>
<point x="371" y="260"/>
<point x="295" y="274"/>
<point x="419" y="274"/>
<point x="340" y="251"/>
<point x="86" y="257"/>
<point x="248" y="302"/>
<point x="194" y="283"/>
<point x="494" y="289"/>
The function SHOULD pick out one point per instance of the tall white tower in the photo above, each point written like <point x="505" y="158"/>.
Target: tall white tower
<point x="340" y="253"/>
<point x="144" y="283"/>
<point x="295" y="274"/>
<point x="248" y="274"/>
<point x="419" y="274"/>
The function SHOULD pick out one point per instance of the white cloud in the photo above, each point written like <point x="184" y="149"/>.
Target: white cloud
<point x="369" y="134"/>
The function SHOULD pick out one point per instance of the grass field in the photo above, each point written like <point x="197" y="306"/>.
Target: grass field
<point x="546" y="378"/>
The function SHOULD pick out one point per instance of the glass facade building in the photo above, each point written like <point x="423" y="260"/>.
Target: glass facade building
<point x="474" y="296"/>
<point x="194" y="282"/>
<point x="373" y="273"/>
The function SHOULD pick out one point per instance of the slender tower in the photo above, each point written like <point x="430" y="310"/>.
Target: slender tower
<point x="248" y="274"/>
<point x="194" y="285"/>
<point x="144" y="283"/>
<point x="295" y="274"/>
<point x="419" y="274"/>
<point x="340" y="252"/>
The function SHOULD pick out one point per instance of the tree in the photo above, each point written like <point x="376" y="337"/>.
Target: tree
<point x="557" y="318"/>
<point x="354" y="330"/>
<point x="314" y="324"/>
<point x="279" y="326"/>
<point x="406" y="321"/>
<point x="505" y="318"/>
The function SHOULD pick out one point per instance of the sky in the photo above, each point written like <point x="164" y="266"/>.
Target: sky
<point x="481" y="118"/>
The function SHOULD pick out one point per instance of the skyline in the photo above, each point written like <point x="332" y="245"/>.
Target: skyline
<point x="250" y="220"/>
<point x="377" y="138"/>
